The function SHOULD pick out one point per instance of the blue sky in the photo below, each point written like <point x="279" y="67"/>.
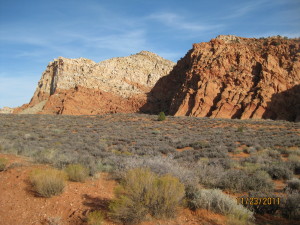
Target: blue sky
<point x="34" y="32"/>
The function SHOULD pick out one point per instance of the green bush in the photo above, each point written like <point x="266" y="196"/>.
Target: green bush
<point x="3" y="163"/>
<point x="142" y="193"/>
<point x="161" y="116"/>
<point x="77" y="172"/>
<point x="95" y="218"/>
<point x="216" y="201"/>
<point x="240" y="129"/>
<point x="48" y="182"/>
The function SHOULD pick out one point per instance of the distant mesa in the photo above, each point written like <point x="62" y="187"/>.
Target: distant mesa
<point x="227" y="77"/>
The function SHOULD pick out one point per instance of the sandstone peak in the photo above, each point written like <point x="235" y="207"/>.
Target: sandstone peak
<point x="233" y="77"/>
<point x="147" y="53"/>
<point x="229" y="38"/>
<point x="114" y="82"/>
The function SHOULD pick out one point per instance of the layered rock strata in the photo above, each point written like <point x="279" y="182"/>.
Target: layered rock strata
<point x="233" y="77"/>
<point x="81" y="86"/>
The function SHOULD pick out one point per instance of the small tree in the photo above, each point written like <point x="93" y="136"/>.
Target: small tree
<point x="161" y="116"/>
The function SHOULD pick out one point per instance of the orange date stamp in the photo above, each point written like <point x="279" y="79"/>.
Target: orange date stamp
<point x="258" y="201"/>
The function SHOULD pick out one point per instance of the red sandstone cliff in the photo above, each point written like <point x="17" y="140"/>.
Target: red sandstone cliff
<point x="83" y="87"/>
<point x="233" y="77"/>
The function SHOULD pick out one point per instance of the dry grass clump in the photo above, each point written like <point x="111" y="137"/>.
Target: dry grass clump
<point x="143" y="193"/>
<point x="95" y="218"/>
<point x="48" y="182"/>
<point x="77" y="172"/>
<point x="3" y="163"/>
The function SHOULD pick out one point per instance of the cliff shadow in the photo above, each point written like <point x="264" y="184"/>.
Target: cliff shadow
<point x="160" y="97"/>
<point x="284" y="105"/>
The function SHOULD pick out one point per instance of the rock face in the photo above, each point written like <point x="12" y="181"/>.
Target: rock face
<point x="6" y="110"/>
<point x="233" y="77"/>
<point x="83" y="87"/>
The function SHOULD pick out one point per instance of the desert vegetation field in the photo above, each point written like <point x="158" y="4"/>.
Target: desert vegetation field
<point x="246" y="170"/>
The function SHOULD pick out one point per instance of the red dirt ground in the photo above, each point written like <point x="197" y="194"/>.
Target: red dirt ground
<point x="20" y="206"/>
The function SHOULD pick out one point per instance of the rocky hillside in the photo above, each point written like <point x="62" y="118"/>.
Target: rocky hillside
<point x="6" y="110"/>
<point x="81" y="86"/>
<point x="233" y="77"/>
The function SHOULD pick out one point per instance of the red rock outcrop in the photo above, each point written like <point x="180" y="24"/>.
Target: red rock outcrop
<point x="83" y="87"/>
<point x="233" y="77"/>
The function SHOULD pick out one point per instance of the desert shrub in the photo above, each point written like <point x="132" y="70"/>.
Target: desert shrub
<point x="216" y="201"/>
<point x="233" y="180"/>
<point x="104" y="167"/>
<point x="249" y="167"/>
<point x="48" y="182"/>
<point x="3" y="163"/>
<point x="158" y="165"/>
<point x="161" y="116"/>
<point x="293" y="184"/>
<point x="291" y="208"/>
<point x="199" y="145"/>
<point x="95" y="218"/>
<point x="77" y="172"/>
<point x="192" y="194"/>
<point x="278" y="171"/>
<point x="250" y="150"/>
<point x="273" y="153"/>
<point x="45" y="156"/>
<point x="238" y="180"/>
<point x="143" y="192"/>
<point x="294" y="163"/>
<point x="210" y="175"/>
<point x="240" y="129"/>
<point x="226" y="163"/>
<point x="258" y="181"/>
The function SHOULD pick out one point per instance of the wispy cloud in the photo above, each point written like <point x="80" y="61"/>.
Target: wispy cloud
<point x="244" y="8"/>
<point x="75" y="42"/>
<point x="179" y="22"/>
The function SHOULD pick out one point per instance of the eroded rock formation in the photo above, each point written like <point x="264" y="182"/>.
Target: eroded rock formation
<point x="6" y="110"/>
<point x="83" y="87"/>
<point x="233" y="77"/>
